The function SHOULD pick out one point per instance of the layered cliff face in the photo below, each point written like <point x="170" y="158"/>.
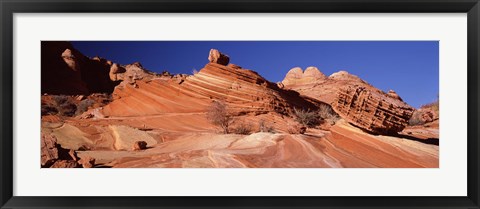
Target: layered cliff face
<point x="353" y="99"/>
<point x="313" y="83"/>
<point x="372" y="110"/>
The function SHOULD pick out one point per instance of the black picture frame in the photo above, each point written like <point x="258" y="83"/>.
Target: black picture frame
<point x="9" y="7"/>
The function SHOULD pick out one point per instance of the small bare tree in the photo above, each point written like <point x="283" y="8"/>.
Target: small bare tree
<point x="217" y="114"/>
<point x="305" y="117"/>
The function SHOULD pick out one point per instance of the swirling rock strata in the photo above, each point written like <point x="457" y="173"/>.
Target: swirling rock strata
<point x="244" y="91"/>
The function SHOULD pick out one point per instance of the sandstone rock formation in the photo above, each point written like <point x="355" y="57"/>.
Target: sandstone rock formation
<point x="169" y="113"/>
<point x="66" y="71"/>
<point x="53" y="155"/>
<point x="244" y="90"/>
<point x="393" y="94"/>
<point x="296" y="76"/>
<point x="216" y="56"/>
<point x="372" y="111"/>
<point x="426" y="114"/>
<point x="315" y="84"/>
<point x="87" y="162"/>
<point x="49" y="150"/>
<point x="114" y="70"/>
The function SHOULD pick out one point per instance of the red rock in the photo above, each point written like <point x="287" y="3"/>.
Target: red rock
<point x="280" y="85"/>
<point x="313" y="72"/>
<point x="139" y="145"/>
<point x="234" y="66"/>
<point x="371" y="110"/>
<point x="114" y="70"/>
<point x="295" y="72"/>
<point x="394" y="95"/>
<point x="87" y="162"/>
<point x="244" y="91"/>
<point x="296" y="129"/>
<point x="70" y="60"/>
<point x="296" y="76"/>
<point x="217" y="57"/>
<point x="65" y="164"/>
<point x="49" y="151"/>
<point x="73" y="155"/>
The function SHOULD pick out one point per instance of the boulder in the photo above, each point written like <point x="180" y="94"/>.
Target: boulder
<point x="70" y="59"/>
<point x="373" y="111"/>
<point x="139" y="145"/>
<point x="216" y="56"/>
<point x="115" y="69"/>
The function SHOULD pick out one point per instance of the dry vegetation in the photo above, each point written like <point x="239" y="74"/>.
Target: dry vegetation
<point x="217" y="114"/>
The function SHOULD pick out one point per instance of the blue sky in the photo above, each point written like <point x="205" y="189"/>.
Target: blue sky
<point x="411" y="68"/>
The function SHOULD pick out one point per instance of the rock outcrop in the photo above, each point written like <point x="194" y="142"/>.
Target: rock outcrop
<point x="372" y="110"/>
<point x="216" y="56"/>
<point x="53" y="155"/>
<point x="296" y="76"/>
<point x="315" y="84"/>
<point x="67" y="71"/>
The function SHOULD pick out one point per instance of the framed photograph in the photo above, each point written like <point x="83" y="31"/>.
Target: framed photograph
<point x="239" y="104"/>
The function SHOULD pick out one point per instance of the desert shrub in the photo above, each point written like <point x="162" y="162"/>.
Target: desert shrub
<point x="68" y="109"/>
<point x="60" y="99"/>
<point x="326" y="113"/>
<point x="416" y="119"/>
<point x="65" y="106"/>
<point x="435" y="106"/>
<point x="217" y="114"/>
<point x="49" y="110"/>
<point x="306" y="117"/>
<point x="264" y="127"/>
<point x="84" y="105"/>
<point x="243" y="128"/>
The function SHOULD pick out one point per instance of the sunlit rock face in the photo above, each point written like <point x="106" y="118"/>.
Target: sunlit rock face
<point x="243" y="90"/>
<point x="373" y="111"/>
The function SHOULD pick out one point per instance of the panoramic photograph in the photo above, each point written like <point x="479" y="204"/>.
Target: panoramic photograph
<point x="239" y="104"/>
